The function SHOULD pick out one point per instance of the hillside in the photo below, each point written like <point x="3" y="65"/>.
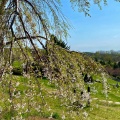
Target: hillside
<point x="68" y="85"/>
<point x="30" y="103"/>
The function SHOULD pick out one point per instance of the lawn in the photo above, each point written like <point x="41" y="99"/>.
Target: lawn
<point x="28" y="98"/>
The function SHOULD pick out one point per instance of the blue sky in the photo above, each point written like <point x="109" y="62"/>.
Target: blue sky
<point x="101" y="31"/>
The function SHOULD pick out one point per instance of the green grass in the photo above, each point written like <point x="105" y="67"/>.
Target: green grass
<point x="104" y="112"/>
<point x="17" y="64"/>
<point x="50" y="101"/>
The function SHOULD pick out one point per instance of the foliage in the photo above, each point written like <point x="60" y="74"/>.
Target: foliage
<point x="70" y="65"/>
<point x="110" y="60"/>
<point x="59" y="42"/>
<point x="55" y="115"/>
<point x="30" y="103"/>
<point x="29" y="95"/>
<point x="24" y="24"/>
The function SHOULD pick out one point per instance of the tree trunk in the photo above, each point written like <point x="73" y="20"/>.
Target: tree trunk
<point x="2" y="29"/>
<point x="1" y="57"/>
<point x="1" y="53"/>
<point x="2" y="24"/>
<point x="1" y="46"/>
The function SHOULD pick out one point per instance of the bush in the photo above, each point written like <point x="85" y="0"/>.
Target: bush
<point x="17" y="71"/>
<point x="56" y="115"/>
<point x="59" y="42"/>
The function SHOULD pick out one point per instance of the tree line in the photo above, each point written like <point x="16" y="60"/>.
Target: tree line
<point x="110" y="60"/>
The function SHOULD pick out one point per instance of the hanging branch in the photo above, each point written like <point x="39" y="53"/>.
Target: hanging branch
<point x="42" y="44"/>
<point x="15" y="10"/>
<point x="25" y="37"/>
<point x="10" y="55"/>
<point x="27" y="34"/>
<point x="15" y="39"/>
<point x="40" y="18"/>
<point x="21" y="49"/>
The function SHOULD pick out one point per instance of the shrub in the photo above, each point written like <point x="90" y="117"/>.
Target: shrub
<point x="56" y="115"/>
<point x="59" y="42"/>
<point x="17" y="71"/>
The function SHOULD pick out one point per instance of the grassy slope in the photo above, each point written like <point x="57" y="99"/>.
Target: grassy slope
<point x="99" y="109"/>
<point x="104" y="108"/>
<point x="33" y="101"/>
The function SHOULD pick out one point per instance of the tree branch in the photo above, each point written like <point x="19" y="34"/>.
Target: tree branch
<point x="40" y="18"/>
<point x="42" y="44"/>
<point x="28" y="35"/>
<point x="25" y="37"/>
<point x="22" y="49"/>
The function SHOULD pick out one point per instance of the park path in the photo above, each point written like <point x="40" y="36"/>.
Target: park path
<point x="107" y="101"/>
